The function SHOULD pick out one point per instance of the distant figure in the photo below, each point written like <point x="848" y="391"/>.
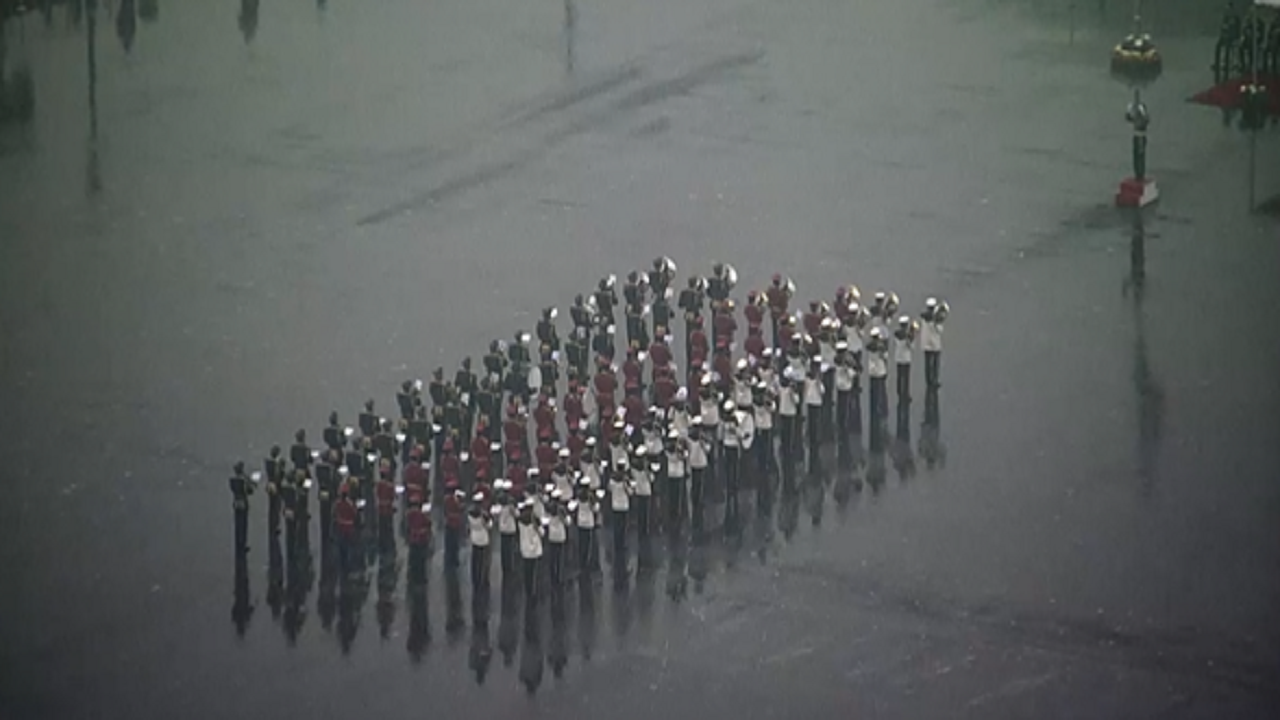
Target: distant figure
<point x="248" y="19"/>
<point x="1138" y="116"/>
<point x="241" y="488"/>
<point x="931" y="325"/>
<point x="126" y="24"/>
<point x="1228" y="38"/>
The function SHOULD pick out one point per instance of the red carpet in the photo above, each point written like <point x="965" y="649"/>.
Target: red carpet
<point x="1227" y="94"/>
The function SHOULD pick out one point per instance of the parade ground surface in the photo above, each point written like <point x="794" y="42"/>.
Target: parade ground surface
<point x="257" y="233"/>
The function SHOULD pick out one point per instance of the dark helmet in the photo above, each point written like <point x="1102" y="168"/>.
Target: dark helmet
<point x="407" y="385"/>
<point x="466" y="363"/>
<point x="238" y="467"/>
<point x="300" y="436"/>
<point x="604" y="283"/>
<point x="693" y="282"/>
<point x="437" y="374"/>
<point x="368" y="405"/>
<point x="578" y="300"/>
<point x="333" y="417"/>
<point x="275" y="451"/>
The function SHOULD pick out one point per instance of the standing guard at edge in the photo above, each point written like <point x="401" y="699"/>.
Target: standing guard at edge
<point x="931" y="320"/>
<point x="241" y="488"/>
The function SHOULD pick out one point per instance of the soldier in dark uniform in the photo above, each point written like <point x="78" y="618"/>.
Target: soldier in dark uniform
<point x="602" y="344"/>
<point x="289" y="491"/>
<point x="369" y="420"/>
<point x="577" y="354"/>
<point x="632" y="294"/>
<point x="583" y="317"/>
<point x="606" y="299"/>
<point x="495" y="364"/>
<point x="465" y="381"/>
<point x="274" y="469"/>
<point x="384" y="443"/>
<point x="661" y="311"/>
<point x="356" y="462"/>
<point x="723" y="279"/>
<point x="546" y="329"/>
<point x="241" y="489"/>
<point x="1228" y="38"/>
<point x="488" y="403"/>
<point x="637" y="334"/>
<point x="333" y="438"/>
<point x="1138" y="116"/>
<point x="300" y="453"/>
<point x="518" y="378"/>
<point x="327" y="489"/>
<point x="662" y="275"/>
<point x="691" y="302"/>
<point x="453" y="412"/>
<point x="549" y="369"/>
<point x="404" y="399"/>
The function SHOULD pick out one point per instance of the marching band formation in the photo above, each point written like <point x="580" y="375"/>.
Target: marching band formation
<point x="563" y="453"/>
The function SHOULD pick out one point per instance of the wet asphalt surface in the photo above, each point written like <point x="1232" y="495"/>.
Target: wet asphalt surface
<point x="241" y="236"/>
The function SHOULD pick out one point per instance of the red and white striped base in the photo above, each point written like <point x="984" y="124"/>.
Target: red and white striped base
<point x="1136" y="193"/>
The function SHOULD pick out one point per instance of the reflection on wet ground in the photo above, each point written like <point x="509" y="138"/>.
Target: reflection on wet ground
<point x="560" y="625"/>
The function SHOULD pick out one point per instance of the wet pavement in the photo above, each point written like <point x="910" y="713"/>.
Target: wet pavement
<point x="224" y="240"/>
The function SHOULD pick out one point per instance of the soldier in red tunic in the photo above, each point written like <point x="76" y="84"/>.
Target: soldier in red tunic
<point x="606" y="385"/>
<point x="514" y="433"/>
<point x="779" y="297"/>
<point x="385" y="492"/>
<point x="450" y="466"/>
<point x="544" y="419"/>
<point x="754" y="345"/>
<point x="576" y="444"/>
<point x="481" y="457"/>
<point x="813" y="318"/>
<point x="698" y="345"/>
<point x="724" y="325"/>
<point x="664" y="389"/>
<point x="632" y="371"/>
<point x="454" y="522"/>
<point x="573" y="407"/>
<point x="722" y="366"/>
<point x="545" y="454"/>
<point x="418" y="520"/>
<point x="754" y="311"/>
<point x="346" y="531"/>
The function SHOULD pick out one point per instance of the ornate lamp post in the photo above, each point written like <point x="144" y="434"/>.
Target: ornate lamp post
<point x="1136" y="62"/>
